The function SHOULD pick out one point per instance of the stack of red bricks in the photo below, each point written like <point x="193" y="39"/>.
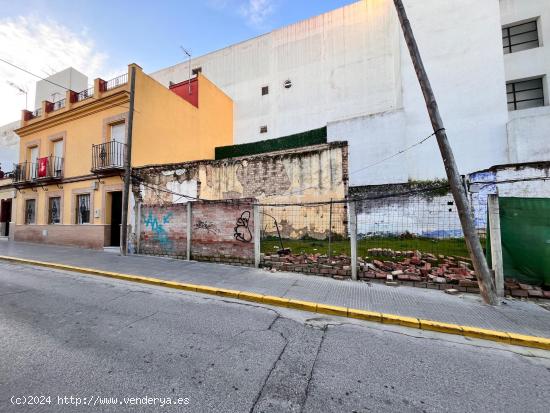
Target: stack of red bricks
<point x="516" y="289"/>
<point x="337" y="267"/>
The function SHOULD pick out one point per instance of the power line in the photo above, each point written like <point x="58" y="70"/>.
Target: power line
<point x="420" y="142"/>
<point x="371" y="165"/>
<point x="157" y="189"/>
<point x="297" y="192"/>
<point x="44" y="79"/>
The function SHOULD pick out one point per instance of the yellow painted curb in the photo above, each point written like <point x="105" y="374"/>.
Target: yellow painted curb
<point x="222" y="292"/>
<point x="181" y="286"/>
<point x="474" y="332"/>
<point x="484" y="334"/>
<point x="303" y="305"/>
<point x="205" y="289"/>
<point x="278" y="301"/>
<point x="440" y="327"/>
<point x="529" y="341"/>
<point x="400" y="320"/>
<point x="365" y="315"/>
<point x="245" y="295"/>
<point x="332" y="310"/>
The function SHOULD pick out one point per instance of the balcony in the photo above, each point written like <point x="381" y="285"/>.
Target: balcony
<point x="85" y="94"/>
<point x="100" y="89"/>
<point x="108" y="157"/>
<point x="116" y="82"/>
<point x="47" y="169"/>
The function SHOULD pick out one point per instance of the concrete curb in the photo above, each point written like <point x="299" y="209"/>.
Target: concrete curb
<point x="411" y="322"/>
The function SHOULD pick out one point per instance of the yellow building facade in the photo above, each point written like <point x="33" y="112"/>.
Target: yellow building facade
<point x="72" y="153"/>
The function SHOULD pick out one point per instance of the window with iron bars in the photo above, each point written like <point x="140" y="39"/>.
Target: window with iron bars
<point x="525" y="94"/>
<point x="54" y="210"/>
<point x="520" y="37"/>
<point x="30" y="211"/>
<point x="83" y="209"/>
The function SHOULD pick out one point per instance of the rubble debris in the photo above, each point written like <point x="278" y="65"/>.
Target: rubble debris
<point x="411" y="268"/>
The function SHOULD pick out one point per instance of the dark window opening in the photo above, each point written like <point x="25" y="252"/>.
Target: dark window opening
<point x="54" y="210"/>
<point x="265" y="90"/>
<point x="196" y="71"/>
<point x="263" y="129"/>
<point x="30" y="211"/>
<point x="520" y="37"/>
<point x="83" y="209"/>
<point x="525" y="94"/>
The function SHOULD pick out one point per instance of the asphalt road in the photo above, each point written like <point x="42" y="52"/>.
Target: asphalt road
<point x="64" y="334"/>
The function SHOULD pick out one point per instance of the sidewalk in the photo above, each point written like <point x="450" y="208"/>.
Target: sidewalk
<point x="512" y="316"/>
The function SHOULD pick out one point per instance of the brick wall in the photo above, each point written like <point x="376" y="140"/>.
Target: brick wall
<point x="163" y="230"/>
<point x="220" y="231"/>
<point x="223" y="230"/>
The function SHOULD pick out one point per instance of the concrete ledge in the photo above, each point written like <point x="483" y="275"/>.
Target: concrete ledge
<point x="441" y="327"/>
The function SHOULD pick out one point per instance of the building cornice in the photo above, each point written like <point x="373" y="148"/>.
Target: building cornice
<point x="94" y="106"/>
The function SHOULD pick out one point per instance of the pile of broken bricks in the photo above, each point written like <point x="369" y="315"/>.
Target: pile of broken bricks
<point x="410" y="268"/>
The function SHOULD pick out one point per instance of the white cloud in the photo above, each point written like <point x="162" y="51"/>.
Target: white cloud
<point x="42" y="47"/>
<point x="256" y="11"/>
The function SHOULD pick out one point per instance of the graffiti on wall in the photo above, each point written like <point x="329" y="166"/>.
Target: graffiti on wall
<point x="210" y="227"/>
<point x="242" y="231"/>
<point x="157" y="227"/>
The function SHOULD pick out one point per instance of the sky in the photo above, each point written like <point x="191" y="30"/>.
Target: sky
<point x="100" y="38"/>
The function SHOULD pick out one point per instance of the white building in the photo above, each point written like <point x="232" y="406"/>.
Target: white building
<point x="9" y="146"/>
<point x="528" y="128"/>
<point x="350" y="70"/>
<point x="53" y="88"/>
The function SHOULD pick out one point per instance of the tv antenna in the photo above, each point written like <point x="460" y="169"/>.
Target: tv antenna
<point x="20" y="89"/>
<point x="188" y="53"/>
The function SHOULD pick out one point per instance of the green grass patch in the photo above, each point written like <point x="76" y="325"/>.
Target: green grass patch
<point x="451" y="246"/>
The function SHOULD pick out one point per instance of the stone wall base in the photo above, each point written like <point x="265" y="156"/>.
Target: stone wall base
<point x="85" y="236"/>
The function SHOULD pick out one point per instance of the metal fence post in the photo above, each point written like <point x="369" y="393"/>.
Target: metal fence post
<point x="496" y="242"/>
<point x="138" y="227"/>
<point x="330" y="231"/>
<point x="353" y="238"/>
<point x="257" y="226"/>
<point x="189" y="225"/>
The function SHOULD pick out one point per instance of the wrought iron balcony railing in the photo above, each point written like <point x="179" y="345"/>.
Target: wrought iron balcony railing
<point x="85" y="94"/>
<point x="44" y="169"/>
<point x="60" y="104"/>
<point x="116" y="82"/>
<point x="108" y="156"/>
<point x="36" y="113"/>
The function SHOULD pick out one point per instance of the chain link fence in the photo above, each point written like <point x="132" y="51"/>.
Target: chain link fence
<point x="386" y="225"/>
<point x="321" y="229"/>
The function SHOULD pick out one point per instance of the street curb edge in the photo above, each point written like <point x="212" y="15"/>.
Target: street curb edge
<point x="411" y="322"/>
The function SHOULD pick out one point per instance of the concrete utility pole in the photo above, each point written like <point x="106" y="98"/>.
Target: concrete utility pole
<point x="486" y="284"/>
<point x="127" y="168"/>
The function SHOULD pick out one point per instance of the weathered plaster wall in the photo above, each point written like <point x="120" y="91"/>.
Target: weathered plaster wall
<point x="316" y="173"/>
<point x="530" y="180"/>
<point x="312" y="174"/>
